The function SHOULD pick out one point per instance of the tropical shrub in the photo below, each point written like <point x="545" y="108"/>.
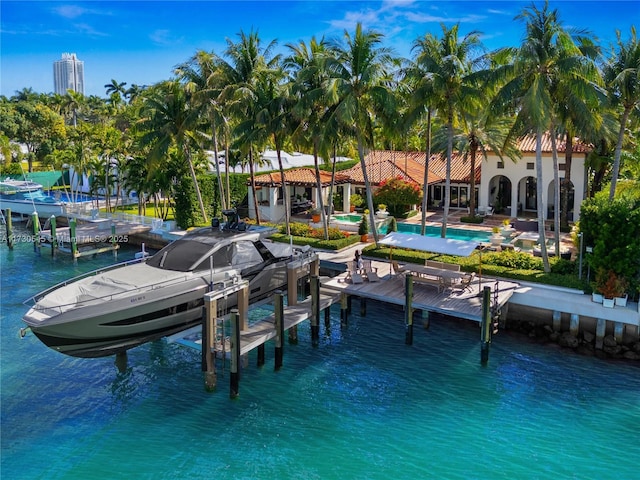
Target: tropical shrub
<point x="398" y="194"/>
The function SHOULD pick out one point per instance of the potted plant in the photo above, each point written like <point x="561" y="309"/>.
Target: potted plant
<point x="355" y="200"/>
<point x="507" y="229"/>
<point x="610" y="285"/>
<point x="496" y="239"/>
<point x="315" y="215"/>
<point x="363" y="228"/>
<point x="382" y="211"/>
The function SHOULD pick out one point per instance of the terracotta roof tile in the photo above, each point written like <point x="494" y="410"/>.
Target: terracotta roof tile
<point x="300" y="176"/>
<point x="528" y="144"/>
<point x="384" y="164"/>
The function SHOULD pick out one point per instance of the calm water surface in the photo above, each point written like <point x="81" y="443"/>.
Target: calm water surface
<point x="362" y="405"/>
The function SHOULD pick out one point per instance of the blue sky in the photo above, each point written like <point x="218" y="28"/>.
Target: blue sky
<point x="141" y="41"/>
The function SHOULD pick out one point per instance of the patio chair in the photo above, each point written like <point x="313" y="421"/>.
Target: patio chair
<point x="465" y="282"/>
<point x="397" y="269"/>
<point x="370" y="272"/>
<point x="353" y="273"/>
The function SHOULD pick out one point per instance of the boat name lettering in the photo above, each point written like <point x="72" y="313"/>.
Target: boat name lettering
<point x="137" y="299"/>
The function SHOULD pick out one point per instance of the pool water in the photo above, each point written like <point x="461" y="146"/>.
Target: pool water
<point x="454" y="233"/>
<point x="348" y="218"/>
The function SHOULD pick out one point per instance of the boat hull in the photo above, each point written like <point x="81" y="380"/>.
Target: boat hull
<point x="27" y="208"/>
<point x="105" y="329"/>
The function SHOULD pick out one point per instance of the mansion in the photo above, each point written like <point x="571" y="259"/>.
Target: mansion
<point x="506" y="186"/>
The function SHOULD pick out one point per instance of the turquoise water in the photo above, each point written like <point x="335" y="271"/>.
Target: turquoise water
<point x="356" y="219"/>
<point x="360" y="405"/>
<point x="454" y="233"/>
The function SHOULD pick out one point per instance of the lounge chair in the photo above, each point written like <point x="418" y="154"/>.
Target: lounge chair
<point x="353" y="273"/>
<point x="370" y="272"/>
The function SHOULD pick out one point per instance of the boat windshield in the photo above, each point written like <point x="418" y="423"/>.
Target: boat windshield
<point x="179" y="255"/>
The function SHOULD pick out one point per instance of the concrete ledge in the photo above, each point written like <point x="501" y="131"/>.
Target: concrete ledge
<point x="572" y="302"/>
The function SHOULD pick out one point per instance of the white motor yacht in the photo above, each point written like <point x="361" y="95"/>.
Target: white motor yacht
<point x="112" y="310"/>
<point x="25" y="197"/>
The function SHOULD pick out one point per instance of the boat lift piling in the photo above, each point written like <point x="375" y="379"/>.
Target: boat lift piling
<point x="9" y="227"/>
<point x="35" y="229"/>
<point x="54" y="239"/>
<point x="278" y="301"/>
<point x="209" y="333"/>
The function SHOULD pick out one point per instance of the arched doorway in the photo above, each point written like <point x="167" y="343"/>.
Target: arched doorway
<point x="500" y="194"/>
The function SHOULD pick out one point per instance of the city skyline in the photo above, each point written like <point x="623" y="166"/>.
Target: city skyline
<point x="140" y="42"/>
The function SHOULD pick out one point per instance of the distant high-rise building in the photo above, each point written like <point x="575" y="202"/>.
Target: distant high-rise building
<point x="68" y="74"/>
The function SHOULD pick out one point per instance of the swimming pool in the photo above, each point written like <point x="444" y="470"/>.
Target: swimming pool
<point x="454" y="233"/>
<point x="347" y="218"/>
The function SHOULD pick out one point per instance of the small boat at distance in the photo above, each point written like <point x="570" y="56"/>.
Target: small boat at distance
<point x="25" y="197"/>
<point x="109" y="311"/>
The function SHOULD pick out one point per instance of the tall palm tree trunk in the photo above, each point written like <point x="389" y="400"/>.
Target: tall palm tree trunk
<point x="447" y="182"/>
<point x="566" y="182"/>
<point x="425" y="183"/>
<point x="556" y="191"/>
<point x="618" y="153"/>
<point x="196" y="185"/>
<point x="323" y="213"/>
<point x="367" y="186"/>
<point x="285" y="192"/>
<point x="253" y="185"/>
<point x="540" y="202"/>
<point x="215" y="154"/>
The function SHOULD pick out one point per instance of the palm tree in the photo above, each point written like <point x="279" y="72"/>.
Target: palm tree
<point x="273" y="115"/>
<point x="480" y="132"/>
<point x="446" y="63"/>
<point x="246" y="58"/>
<point x="359" y="88"/>
<point x="532" y="81"/>
<point x="308" y="65"/>
<point x="622" y="75"/>
<point x="115" y="91"/>
<point x="170" y="120"/>
<point x="199" y="75"/>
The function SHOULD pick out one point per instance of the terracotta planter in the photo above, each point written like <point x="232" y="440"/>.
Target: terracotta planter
<point x="315" y="218"/>
<point x="364" y="238"/>
<point x="352" y="208"/>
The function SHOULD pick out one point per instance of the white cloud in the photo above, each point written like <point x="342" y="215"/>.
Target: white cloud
<point x="163" y="37"/>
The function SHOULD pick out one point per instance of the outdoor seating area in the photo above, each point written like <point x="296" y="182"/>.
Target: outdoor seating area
<point x="359" y="273"/>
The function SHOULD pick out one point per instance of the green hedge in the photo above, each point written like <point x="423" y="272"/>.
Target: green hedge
<point x="513" y="265"/>
<point x="318" y="243"/>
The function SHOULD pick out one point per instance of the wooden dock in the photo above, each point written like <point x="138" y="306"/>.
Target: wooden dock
<point x="465" y="304"/>
<point x="261" y="331"/>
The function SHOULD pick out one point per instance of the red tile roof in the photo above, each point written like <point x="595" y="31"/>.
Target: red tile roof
<point x="300" y="176"/>
<point x="384" y="164"/>
<point x="528" y="144"/>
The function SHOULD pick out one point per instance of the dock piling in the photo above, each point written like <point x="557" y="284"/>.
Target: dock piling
<point x="279" y="317"/>
<point x="344" y="310"/>
<point x="315" y="310"/>
<point x="486" y="325"/>
<point x="73" y="238"/>
<point x="9" y="227"/>
<point x="208" y="343"/>
<point x="54" y="238"/>
<point x="408" y="310"/>
<point x="234" y="374"/>
<point x="35" y="230"/>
